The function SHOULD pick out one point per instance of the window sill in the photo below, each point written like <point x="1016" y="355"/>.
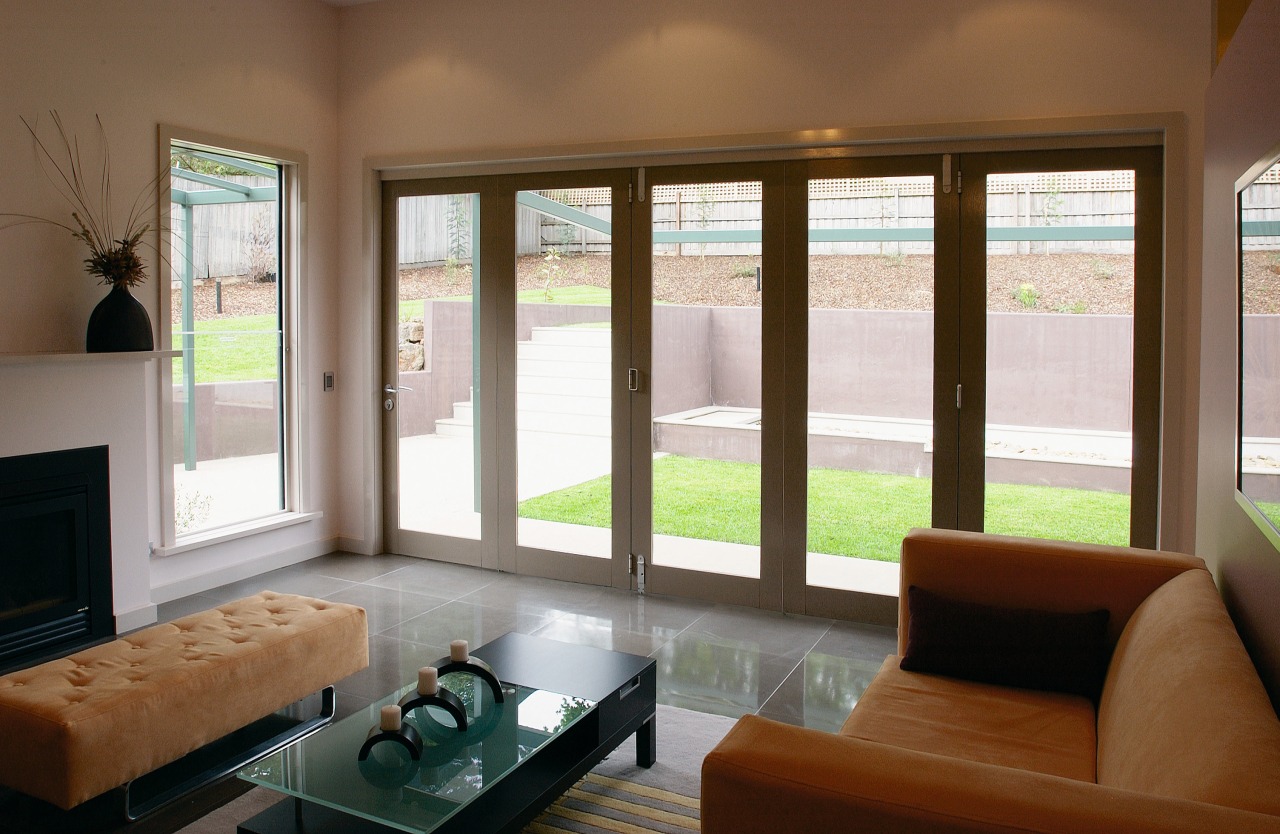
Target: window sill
<point x="195" y="541"/>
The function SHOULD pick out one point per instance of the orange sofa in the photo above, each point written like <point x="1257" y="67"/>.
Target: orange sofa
<point x="1180" y="736"/>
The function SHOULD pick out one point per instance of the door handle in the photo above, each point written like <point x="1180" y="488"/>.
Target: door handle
<point x="392" y="389"/>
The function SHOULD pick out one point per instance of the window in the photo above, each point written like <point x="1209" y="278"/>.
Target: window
<point x="227" y="395"/>
<point x="1259" y="452"/>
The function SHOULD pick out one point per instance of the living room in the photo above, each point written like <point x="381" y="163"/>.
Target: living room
<point x="396" y="88"/>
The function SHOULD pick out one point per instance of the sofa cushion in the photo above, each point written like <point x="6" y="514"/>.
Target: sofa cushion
<point x="1046" y="732"/>
<point x="1049" y="650"/>
<point x="1183" y="713"/>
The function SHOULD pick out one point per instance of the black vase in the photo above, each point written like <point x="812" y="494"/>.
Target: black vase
<point x="119" y="323"/>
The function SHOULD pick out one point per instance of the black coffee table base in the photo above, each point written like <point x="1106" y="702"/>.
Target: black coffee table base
<point x="624" y="688"/>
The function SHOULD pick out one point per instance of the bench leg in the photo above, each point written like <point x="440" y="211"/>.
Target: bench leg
<point x="175" y="780"/>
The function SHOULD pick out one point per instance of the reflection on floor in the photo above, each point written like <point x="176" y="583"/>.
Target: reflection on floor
<point x="712" y="658"/>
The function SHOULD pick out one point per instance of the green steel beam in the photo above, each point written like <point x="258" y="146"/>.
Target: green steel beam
<point x="1059" y="233"/>
<point x="255" y="194"/>
<point x="257" y="168"/>
<point x="209" y="179"/>
<point x="1260" y="228"/>
<point x="568" y="214"/>
<point x="711" y="236"/>
<point x="188" y="340"/>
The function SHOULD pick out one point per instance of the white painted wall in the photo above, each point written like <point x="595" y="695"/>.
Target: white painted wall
<point x="1242" y="126"/>
<point x="260" y="71"/>
<point x="426" y="82"/>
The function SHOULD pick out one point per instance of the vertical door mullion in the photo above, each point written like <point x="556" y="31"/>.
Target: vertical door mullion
<point x="623" y="357"/>
<point x="774" y="410"/>
<point x="641" y="400"/>
<point x="795" y="414"/>
<point x="969" y="402"/>
<point x="498" y="359"/>
<point x="1148" y="324"/>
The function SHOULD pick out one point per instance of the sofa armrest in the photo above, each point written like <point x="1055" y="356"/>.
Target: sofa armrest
<point x="1034" y="573"/>
<point x="769" y="777"/>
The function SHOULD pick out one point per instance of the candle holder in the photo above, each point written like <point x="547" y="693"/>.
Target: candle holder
<point x="406" y="736"/>
<point x="472" y="666"/>
<point x="442" y="698"/>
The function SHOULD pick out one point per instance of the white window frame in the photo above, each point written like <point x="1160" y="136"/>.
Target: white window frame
<point x="293" y="192"/>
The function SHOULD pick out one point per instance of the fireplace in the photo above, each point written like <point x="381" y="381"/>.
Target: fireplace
<point x="55" y="554"/>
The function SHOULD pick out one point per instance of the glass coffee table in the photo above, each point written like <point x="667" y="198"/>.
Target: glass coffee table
<point x="565" y="708"/>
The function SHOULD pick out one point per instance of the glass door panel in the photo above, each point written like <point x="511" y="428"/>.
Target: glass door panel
<point x="564" y="370"/>
<point x="871" y="336"/>
<point x="706" y="376"/>
<point x="1060" y="376"/>
<point x="434" y="396"/>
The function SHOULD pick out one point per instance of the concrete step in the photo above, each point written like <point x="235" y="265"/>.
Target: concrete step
<point x="560" y="404"/>
<point x="555" y="422"/>
<point x="562" y="352"/>
<point x="583" y="336"/>
<point x="452" y="427"/>
<point x="562" y="368"/>
<point x="563" y="386"/>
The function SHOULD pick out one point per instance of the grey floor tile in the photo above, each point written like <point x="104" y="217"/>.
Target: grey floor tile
<point x="386" y="607"/>
<point x="439" y="579"/>
<point x="858" y="640"/>
<point x="462" y="620"/>
<point x="193" y="604"/>
<point x="354" y="567"/>
<point x="392" y="665"/>
<point x="820" y="692"/>
<point x="783" y="635"/>
<point x="532" y="593"/>
<point x="660" y="616"/>
<point x="602" y="633"/>
<point x="712" y="676"/>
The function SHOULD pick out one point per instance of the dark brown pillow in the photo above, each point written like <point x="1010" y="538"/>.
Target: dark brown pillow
<point x="1020" y="647"/>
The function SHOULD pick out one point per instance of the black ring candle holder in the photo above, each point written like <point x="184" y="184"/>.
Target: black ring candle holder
<point x="443" y="698"/>
<point x="407" y="737"/>
<point x="472" y="666"/>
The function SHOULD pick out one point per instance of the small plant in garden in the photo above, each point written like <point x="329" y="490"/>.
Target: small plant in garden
<point x="457" y="221"/>
<point x="704" y="208"/>
<point x="744" y="271"/>
<point x="1051" y="210"/>
<point x="1075" y="307"/>
<point x="1102" y="269"/>
<point x="894" y="259"/>
<point x="1026" y="295"/>
<point x="260" y="247"/>
<point x="190" y="509"/>
<point x="550" y="271"/>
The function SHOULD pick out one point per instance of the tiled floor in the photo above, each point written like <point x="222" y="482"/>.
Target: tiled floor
<point x="713" y="658"/>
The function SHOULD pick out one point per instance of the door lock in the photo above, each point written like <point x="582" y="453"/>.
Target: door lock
<point x="391" y="390"/>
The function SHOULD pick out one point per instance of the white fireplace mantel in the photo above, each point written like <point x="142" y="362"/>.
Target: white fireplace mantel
<point x="55" y="401"/>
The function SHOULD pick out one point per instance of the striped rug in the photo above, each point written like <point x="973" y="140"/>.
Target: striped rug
<point x="604" y="804"/>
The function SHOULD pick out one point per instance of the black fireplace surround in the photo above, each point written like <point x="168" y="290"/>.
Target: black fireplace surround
<point x="55" y="555"/>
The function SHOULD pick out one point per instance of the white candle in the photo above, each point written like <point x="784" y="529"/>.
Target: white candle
<point x="390" y="720"/>
<point x="428" y="680"/>
<point x="458" y="651"/>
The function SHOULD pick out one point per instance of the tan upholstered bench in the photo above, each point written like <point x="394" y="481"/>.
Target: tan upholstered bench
<point x="73" y="728"/>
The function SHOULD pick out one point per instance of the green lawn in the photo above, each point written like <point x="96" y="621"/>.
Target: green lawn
<point x="851" y="513"/>
<point x="232" y="349"/>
